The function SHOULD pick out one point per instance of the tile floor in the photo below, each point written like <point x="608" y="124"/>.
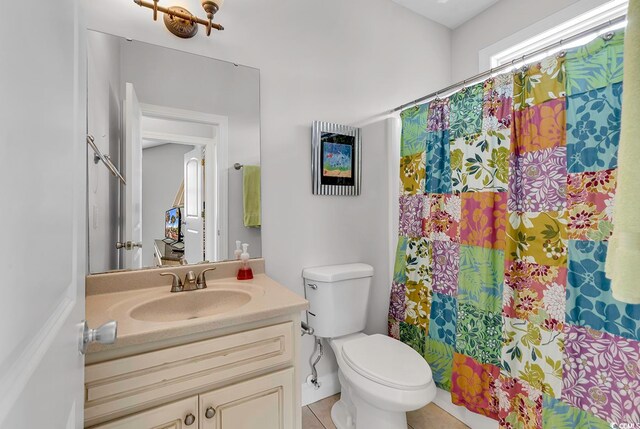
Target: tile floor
<point x="318" y="416"/>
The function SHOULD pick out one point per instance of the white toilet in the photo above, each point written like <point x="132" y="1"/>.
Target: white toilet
<point x="381" y="378"/>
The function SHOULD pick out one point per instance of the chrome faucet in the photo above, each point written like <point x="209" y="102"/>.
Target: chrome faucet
<point x="191" y="281"/>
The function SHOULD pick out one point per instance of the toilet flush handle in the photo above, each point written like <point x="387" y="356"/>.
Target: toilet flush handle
<point x="306" y="329"/>
<point x="313" y="286"/>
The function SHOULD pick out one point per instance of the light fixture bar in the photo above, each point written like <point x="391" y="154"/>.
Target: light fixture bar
<point x="208" y="23"/>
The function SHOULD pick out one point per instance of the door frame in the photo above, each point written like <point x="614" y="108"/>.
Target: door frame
<point x="216" y="149"/>
<point x="132" y="229"/>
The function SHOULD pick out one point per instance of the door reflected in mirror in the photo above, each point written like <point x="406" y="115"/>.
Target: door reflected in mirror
<point x="173" y="124"/>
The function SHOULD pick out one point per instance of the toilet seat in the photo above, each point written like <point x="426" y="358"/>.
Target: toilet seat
<point x="387" y="361"/>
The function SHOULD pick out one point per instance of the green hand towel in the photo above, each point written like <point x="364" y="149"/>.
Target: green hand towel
<point x="251" y="195"/>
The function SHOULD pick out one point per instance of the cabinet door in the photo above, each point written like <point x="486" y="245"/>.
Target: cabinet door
<point x="177" y="415"/>
<point x="262" y="403"/>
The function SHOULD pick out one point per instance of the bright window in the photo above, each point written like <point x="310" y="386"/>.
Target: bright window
<point x="595" y="17"/>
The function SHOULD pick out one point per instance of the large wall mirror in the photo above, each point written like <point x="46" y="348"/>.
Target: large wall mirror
<point x="173" y="165"/>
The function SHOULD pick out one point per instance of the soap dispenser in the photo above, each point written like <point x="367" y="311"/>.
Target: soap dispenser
<point x="238" y="251"/>
<point x="245" y="272"/>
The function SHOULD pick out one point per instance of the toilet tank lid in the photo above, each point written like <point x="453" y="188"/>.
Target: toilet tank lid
<point x="334" y="273"/>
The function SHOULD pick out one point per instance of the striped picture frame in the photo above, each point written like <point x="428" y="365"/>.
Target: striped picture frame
<point x="336" y="159"/>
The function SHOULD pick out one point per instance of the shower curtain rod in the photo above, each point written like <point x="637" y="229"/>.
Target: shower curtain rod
<point x="506" y="66"/>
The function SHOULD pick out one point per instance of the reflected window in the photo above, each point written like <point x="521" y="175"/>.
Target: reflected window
<point x="191" y="188"/>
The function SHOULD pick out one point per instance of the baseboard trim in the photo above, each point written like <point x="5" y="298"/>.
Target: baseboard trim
<point x="471" y="419"/>
<point x="443" y="400"/>
<point x="329" y="386"/>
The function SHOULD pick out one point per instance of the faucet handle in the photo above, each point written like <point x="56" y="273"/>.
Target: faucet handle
<point x="176" y="284"/>
<point x="202" y="281"/>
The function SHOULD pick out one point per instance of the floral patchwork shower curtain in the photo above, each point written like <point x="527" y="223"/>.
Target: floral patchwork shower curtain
<point x="506" y="208"/>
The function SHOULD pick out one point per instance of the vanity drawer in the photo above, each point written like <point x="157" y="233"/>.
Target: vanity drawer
<point x="122" y="386"/>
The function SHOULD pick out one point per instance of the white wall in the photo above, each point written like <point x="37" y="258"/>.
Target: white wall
<point x="375" y="201"/>
<point x="162" y="174"/>
<point x="104" y="123"/>
<point x="334" y="60"/>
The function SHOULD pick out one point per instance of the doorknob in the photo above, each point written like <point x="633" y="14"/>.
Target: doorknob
<point x="128" y="245"/>
<point x="105" y="334"/>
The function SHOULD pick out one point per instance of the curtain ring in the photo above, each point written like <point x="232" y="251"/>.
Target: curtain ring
<point x="562" y="53"/>
<point x="608" y="36"/>
<point x="524" y="66"/>
<point x="489" y="80"/>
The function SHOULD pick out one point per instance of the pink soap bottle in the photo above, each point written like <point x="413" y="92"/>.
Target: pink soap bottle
<point x="245" y="272"/>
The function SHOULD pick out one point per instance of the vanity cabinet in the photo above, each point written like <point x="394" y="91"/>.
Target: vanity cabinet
<point x="241" y="380"/>
<point x="177" y="415"/>
<point x="264" y="402"/>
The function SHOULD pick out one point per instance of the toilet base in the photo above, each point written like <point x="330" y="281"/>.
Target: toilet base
<point x="378" y="419"/>
<point x="353" y="412"/>
<point x="340" y="416"/>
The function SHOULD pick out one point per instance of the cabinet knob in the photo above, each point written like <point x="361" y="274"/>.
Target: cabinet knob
<point x="189" y="419"/>
<point x="210" y="412"/>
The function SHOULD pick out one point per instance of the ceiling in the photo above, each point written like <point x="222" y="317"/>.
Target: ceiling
<point x="451" y="13"/>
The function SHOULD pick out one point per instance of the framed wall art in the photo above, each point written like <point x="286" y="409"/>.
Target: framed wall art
<point x="335" y="159"/>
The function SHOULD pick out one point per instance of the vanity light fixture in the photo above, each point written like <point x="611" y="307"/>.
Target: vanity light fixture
<point x="180" y="21"/>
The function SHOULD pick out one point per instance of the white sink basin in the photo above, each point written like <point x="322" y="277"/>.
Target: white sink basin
<point x="191" y="305"/>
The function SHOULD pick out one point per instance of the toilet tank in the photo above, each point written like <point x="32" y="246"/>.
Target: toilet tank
<point x="338" y="298"/>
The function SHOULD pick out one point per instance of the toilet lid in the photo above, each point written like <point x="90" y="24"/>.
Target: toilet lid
<point x="387" y="361"/>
